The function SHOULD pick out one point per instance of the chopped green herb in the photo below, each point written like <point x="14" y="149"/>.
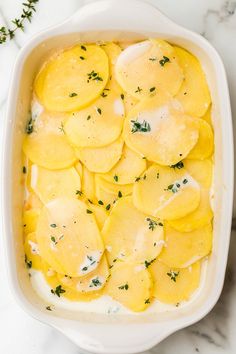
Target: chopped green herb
<point x="82" y="58"/>
<point x="95" y="282"/>
<point x="158" y="175"/>
<point x="61" y="128"/>
<point x="78" y="192"/>
<point x="153" y="59"/>
<point x="143" y="127"/>
<point x="147" y="263"/>
<point x="147" y="301"/>
<point x="164" y="60"/>
<point x="84" y="269"/>
<point x="138" y="90"/>
<point x="99" y="111"/>
<point x="89" y="117"/>
<point x="89" y="211"/>
<point x="100" y="202"/>
<point x="28" y="263"/>
<point x="30" y="126"/>
<point x="119" y="194"/>
<point x="137" y="179"/>
<point x="94" y="76"/>
<point x="108" y="206"/>
<point x="178" y="165"/>
<point x="48" y="308"/>
<point x="185" y="181"/>
<point x="90" y="201"/>
<point x="172" y="274"/>
<point x="144" y="176"/>
<point x="83" y="47"/>
<point x="185" y="93"/>
<point x="124" y="287"/>
<point x="53" y="225"/>
<point x="104" y="94"/>
<point x="122" y="96"/>
<point x="152" y="224"/>
<point x="152" y="89"/>
<point x="73" y="94"/>
<point x="58" y="291"/>
<point x="24" y="170"/>
<point x="116" y="178"/>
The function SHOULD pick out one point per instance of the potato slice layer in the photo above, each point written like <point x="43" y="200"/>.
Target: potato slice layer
<point x="184" y="248"/>
<point x="201" y="171"/>
<point x="68" y="237"/>
<point x="91" y="282"/>
<point x="165" y="192"/>
<point x="160" y="131"/>
<point x="102" y="159"/>
<point x="130" y="234"/>
<point x="173" y="285"/>
<point x="49" y="184"/>
<point x="198" y="218"/>
<point x="129" y="167"/>
<point x="130" y="285"/>
<point x="147" y="66"/>
<point x="30" y="219"/>
<point x="73" y="78"/>
<point x="32" y="254"/>
<point x="194" y="93"/>
<point x="205" y="144"/>
<point x="47" y="145"/>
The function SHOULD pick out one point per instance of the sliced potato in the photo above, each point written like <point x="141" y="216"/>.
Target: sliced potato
<point x="91" y="282"/>
<point x="48" y="184"/>
<point x="30" y="219"/>
<point x="68" y="237"/>
<point x="130" y="102"/>
<point x="129" y="167"/>
<point x="201" y="171"/>
<point x="130" y="234"/>
<point x="99" y="124"/>
<point x="88" y="184"/>
<point x="115" y="188"/>
<point x="73" y="78"/>
<point x="130" y="285"/>
<point x="109" y="193"/>
<point x="185" y="248"/>
<point x="60" y="290"/>
<point x="207" y="116"/>
<point x="32" y="254"/>
<point x="100" y="213"/>
<point x="101" y="159"/>
<point x="165" y="192"/>
<point x="47" y="145"/>
<point x="173" y="285"/>
<point x="147" y="65"/>
<point x="205" y="144"/>
<point x="198" y="218"/>
<point x="79" y="169"/>
<point x="160" y="131"/>
<point x="194" y="93"/>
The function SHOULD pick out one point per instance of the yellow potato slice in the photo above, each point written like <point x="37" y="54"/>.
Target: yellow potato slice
<point x="143" y="68"/>
<point x="194" y="93"/>
<point x="108" y="198"/>
<point x="68" y="237"/>
<point x="47" y="145"/>
<point x="130" y="234"/>
<point x="79" y="169"/>
<point x="113" y="51"/>
<point x="32" y="254"/>
<point x="101" y="159"/>
<point x="160" y="131"/>
<point x="205" y="144"/>
<point x="99" y="124"/>
<point x="72" y="79"/>
<point x="88" y="184"/>
<point x="207" y="116"/>
<point x="185" y="248"/>
<point x="99" y="212"/>
<point x="130" y="285"/>
<point x="30" y="219"/>
<point x="129" y="102"/>
<point x="201" y="171"/>
<point x="173" y="285"/>
<point x="129" y="167"/>
<point x="94" y="281"/>
<point x="48" y="184"/>
<point x="165" y="192"/>
<point x="197" y="219"/>
<point x="60" y="290"/>
<point x="115" y="188"/>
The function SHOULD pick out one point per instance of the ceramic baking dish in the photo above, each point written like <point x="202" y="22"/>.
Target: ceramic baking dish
<point x="121" y="21"/>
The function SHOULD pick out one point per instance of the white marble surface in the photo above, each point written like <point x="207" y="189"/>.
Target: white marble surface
<point x="216" y="333"/>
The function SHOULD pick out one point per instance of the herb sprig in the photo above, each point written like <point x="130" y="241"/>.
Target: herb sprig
<point x="143" y="127"/>
<point x="28" y="8"/>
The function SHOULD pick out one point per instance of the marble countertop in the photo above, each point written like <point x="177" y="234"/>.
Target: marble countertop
<point x="216" y="333"/>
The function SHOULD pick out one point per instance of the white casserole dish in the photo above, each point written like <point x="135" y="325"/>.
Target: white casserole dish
<point x="115" y="20"/>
